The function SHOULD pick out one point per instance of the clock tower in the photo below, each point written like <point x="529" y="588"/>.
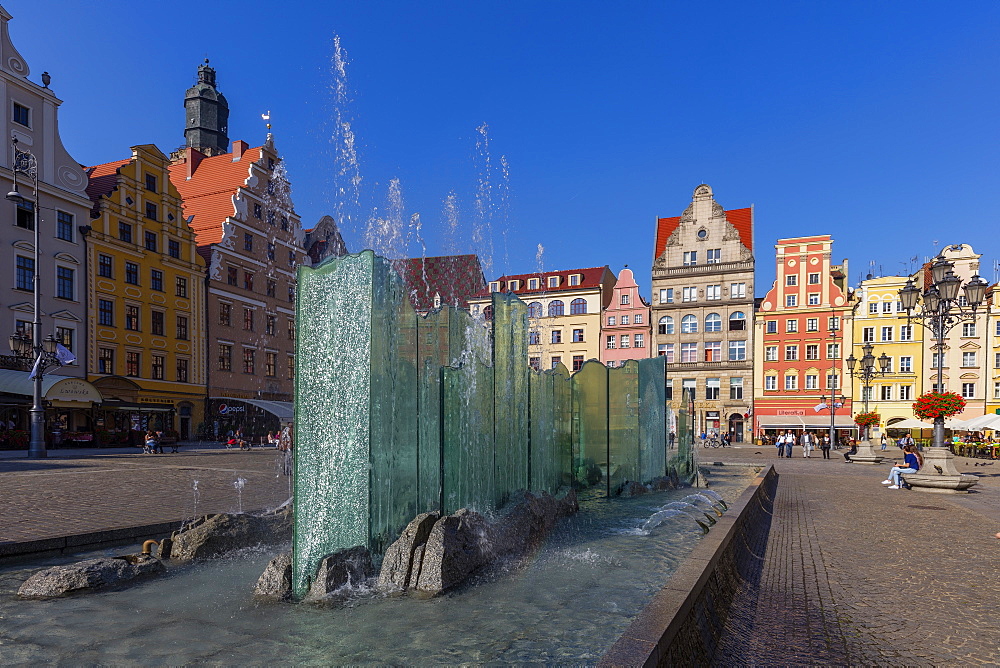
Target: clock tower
<point x="207" y="115"/>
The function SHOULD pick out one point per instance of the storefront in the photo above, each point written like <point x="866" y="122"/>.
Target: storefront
<point x="771" y="425"/>
<point x="254" y="416"/>
<point x="68" y="402"/>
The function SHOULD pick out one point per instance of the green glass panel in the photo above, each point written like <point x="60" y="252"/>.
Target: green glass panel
<point x="562" y="409"/>
<point x="468" y="463"/>
<point x="510" y="392"/>
<point x="332" y="389"/>
<point x="590" y="425"/>
<point x="653" y="422"/>
<point x="545" y="440"/>
<point x="623" y="425"/>
<point x="433" y="352"/>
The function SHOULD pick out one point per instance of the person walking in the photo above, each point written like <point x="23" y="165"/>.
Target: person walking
<point x="789" y="443"/>
<point x="285" y="446"/>
<point x="825" y="446"/>
<point x="885" y="441"/>
<point x="805" y="440"/>
<point x="913" y="460"/>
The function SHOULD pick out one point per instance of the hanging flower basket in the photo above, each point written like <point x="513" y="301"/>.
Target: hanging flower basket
<point x="869" y="419"/>
<point x="930" y="405"/>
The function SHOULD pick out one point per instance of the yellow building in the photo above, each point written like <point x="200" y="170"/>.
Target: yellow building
<point x="879" y="319"/>
<point x="993" y="337"/>
<point x="146" y="300"/>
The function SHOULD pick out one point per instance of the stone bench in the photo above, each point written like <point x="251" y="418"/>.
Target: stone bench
<point x="941" y="484"/>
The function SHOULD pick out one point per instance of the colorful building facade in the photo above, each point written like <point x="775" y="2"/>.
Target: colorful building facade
<point x="625" y="329"/>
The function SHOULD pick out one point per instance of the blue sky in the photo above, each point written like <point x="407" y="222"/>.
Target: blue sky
<point x="873" y="122"/>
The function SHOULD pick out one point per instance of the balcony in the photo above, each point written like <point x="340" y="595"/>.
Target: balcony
<point x="710" y="366"/>
<point x="701" y="269"/>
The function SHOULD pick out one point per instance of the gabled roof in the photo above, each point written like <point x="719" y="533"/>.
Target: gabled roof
<point x="103" y="179"/>
<point x="455" y="278"/>
<point x="741" y="219"/>
<point x="208" y="194"/>
<point x="591" y="277"/>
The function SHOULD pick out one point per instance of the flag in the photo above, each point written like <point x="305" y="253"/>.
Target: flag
<point x="63" y="355"/>
<point x="35" y="370"/>
<point x="819" y="407"/>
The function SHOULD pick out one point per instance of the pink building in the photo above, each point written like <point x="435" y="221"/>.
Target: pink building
<point x="625" y="329"/>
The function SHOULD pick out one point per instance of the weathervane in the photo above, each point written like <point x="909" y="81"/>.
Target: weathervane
<point x="267" y="117"/>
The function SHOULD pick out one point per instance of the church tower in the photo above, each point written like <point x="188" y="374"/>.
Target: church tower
<point x="207" y="114"/>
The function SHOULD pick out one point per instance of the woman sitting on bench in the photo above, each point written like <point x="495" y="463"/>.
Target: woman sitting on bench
<point x="913" y="461"/>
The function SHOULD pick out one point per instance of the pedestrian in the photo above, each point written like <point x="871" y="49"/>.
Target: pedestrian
<point x="913" y="460"/>
<point x="825" y="446"/>
<point x="671" y="439"/>
<point x="884" y="441"/>
<point x="285" y="446"/>
<point x="159" y="442"/>
<point x="789" y="443"/>
<point x="805" y="440"/>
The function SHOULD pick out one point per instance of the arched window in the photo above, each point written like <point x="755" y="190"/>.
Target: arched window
<point x="713" y="322"/>
<point x="488" y="313"/>
<point x="556" y="307"/>
<point x="689" y="324"/>
<point x="737" y="321"/>
<point x="666" y="325"/>
<point x="535" y="310"/>
<point x="578" y="306"/>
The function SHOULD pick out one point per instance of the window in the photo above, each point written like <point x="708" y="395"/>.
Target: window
<point x="132" y="273"/>
<point x="690" y="258"/>
<point x="735" y="388"/>
<point x="689" y="352"/>
<point x="247" y="242"/>
<point x="553" y="281"/>
<point x="556" y="336"/>
<point x="792" y="382"/>
<point x="886" y="334"/>
<point x="968" y="329"/>
<point x="270" y="251"/>
<point x="969" y="390"/>
<point x="105" y="266"/>
<point x="556" y="308"/>
<point x="771" y="327"/>
<point x="270" y="217"/>
<point x="637" y="319"/>
<point x="578" y="306"/>
<point x="833" y="324"/>
<point x="886" y="307"/>
<point x="150" y="241"/>
<point x="791" y="353"/>
<point x="866" y="393"/>
<point x="225" y="357"/>
<point x="792" y="279"/>
<point x="713" y="322"/>
<point x="291" y="367"/>
<point x="812" y="324"/>
<point x="996" y="390"/>
<point x="689" y="324"/>
<point x="22" y="115"/>
<point x="813" y="279"/>
<point x="666" y="350"/>
<point x="713" y="351"/>
<point x="666" y="325"/>
<point x="714" y="255"/>
<point x="906" y="364"/>
<point x="25" y="216"/>
<point x="868" y="334"/>
<point x="106" y="312"/>
<point x="182" y="327"/>
<point x="151" y="211"/>
<point x="833" y="351"/>
<point x="624" y="300"/>
<point x="737" y="351"/>
<point x="156" y="322"/>
<point x="713" y="292"/>
<point x="770" y="382"/>
<point x="270" y="364"/>
<point x="106" y="360"/>
<point x="157" y="367"/>
<point x="64" y="335"/>
<point x="173" y="248"/>
<point x="534" y="338"/>
<point x="556" y="361"/>
<point x="667" y="296"/>
<point x="125" y="232"/>
<point x="65" y="288"/>
<point x="532" y="283"/>
<point x="813" y="299"/>
<point x="610" y="341"/>
<point x="906" y="332"/>
<point x="577" y="359"/>
<point x="248" y="280"/>
<point x="258" y="212"/>
<point x="272" y="287"/>
<point x="873" y="307"/>
<point x="248" y="319"/>
<point x="905" y="392"/>
<point x="812" y="351"/>
<point x="997" y="332"/>
<point x="249" y="360"/>
<point x="535" y="363"/>
<point x="225" y="314"/>
<point x="640" y="340"/>
<point x="689" y="294"/>
<point x="996" y="361"/>
<point x="712" y="386"/>
<point x="577" y="336"/>
<point x="182" y="370"/>
<point x="624" y="319"/>
<point x="791" y="325"/>
<point x="291" y="258"/>
<point x="232" y="276"/>
<point x="832" y="381"/>
<point x="132" y="364"/>
<point x="291" y="329"/>
<point x="151" y="183"/>
<point x="936" y="360"/>
<point x="535" y="311"/>
<point x="969" y="359"/>
<point x="886" y="392"/>
<point x="771" y="353"/>
<point x="737" y="321"/>
<point x="812" y="382"/>
<point x="182" y="287"/>
<point x="737" y="290"/>
<point x="271" y="325"/>
<point x="64" y="226"/>
<point x="132" y="317"/>
<point x="791" y="301"/>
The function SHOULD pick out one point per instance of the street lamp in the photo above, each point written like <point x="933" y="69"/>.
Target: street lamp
<point x="867" y="372"/>
<point x="33" y="347"/>
<point x="942" y="310"/>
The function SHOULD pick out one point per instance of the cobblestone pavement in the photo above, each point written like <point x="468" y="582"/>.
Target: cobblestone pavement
<point x="857" y="574"/>
<point x="80" y="491"/>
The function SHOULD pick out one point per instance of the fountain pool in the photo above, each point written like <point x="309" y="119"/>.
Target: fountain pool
<point x="566" y="604"/>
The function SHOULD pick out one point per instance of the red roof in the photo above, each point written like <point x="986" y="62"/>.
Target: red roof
<point x="103" y="179"/>
<point x="454" y="278"/>
<point x="741" y="219"/>
<point x="208" y="194"/>
<point x="591" y="277"/>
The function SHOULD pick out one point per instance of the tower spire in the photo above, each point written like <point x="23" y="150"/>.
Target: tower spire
<point x="207" y="114"/>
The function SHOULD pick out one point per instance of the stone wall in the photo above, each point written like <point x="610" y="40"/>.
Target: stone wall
<point x="683" y="622"/>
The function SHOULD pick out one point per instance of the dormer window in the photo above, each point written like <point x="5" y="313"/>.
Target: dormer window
<point x="553" y="281"/>
<point x="574" y="279"/>
<point x="513" y="286"/>
<point x="495" y="286"/>
<point x="532" y="283"/>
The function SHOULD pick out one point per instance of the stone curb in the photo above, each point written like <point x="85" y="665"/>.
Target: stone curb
<point x="685" y="618"/>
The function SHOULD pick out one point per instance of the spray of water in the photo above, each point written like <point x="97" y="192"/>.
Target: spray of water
<point x="347" y="177"/>
<point x="238" y="485"/>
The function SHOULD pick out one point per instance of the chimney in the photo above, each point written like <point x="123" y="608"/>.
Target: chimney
<point x="193" y="159"/>
<point x="239" y="147"/>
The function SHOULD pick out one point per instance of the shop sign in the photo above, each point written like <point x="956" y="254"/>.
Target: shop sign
<point x="227" y="409"/>
<point x="797" y="411"/>
<point x="73" y="389"/>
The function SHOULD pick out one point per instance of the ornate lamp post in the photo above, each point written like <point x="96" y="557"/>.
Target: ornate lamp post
<point x="866" y="373"/>
<point x="941" y="311"/>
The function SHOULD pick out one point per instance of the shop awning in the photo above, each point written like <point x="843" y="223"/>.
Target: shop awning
<point x="283" y="410"/>
<point x="803" y="422"/>
<point x="59" y="388"/>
